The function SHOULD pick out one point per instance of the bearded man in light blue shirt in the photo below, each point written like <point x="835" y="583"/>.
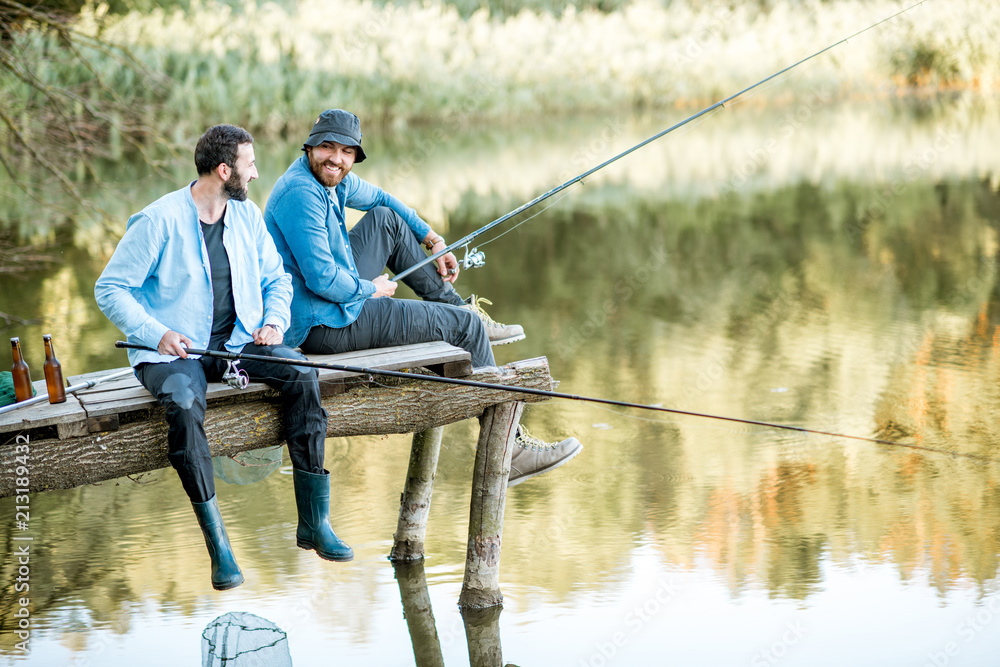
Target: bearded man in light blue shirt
<point x="343" y="302"/>
<point x="197" y="269"/>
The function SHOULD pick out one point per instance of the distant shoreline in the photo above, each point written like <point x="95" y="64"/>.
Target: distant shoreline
<point x="397" y="65"/>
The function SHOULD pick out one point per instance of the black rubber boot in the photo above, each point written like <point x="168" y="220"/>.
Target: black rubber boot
<point x="225" y="572"/>
<point x="312" y="498"/>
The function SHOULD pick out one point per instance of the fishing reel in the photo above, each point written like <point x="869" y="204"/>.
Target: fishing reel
<point x="236" y="378"/>
<point x="474" y="258"/>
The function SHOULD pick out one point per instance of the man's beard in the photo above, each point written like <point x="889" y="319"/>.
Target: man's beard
<point x="234" y="188"/>
<point x="327" y="181"/>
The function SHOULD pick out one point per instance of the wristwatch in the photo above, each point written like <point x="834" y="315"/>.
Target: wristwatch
<point x="274" y="326"/>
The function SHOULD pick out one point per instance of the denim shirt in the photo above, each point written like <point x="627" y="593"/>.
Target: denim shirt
<point x="309" y="230"/>
<point x="159" y="278"/>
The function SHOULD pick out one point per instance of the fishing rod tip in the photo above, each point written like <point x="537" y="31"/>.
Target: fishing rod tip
<point x="120" y="343"/>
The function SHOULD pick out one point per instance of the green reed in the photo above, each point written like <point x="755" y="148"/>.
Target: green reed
<point x="273" y="68"/>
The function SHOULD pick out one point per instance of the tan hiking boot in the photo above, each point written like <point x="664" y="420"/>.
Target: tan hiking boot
<point x="499" y="334"/>
<point x="533" y="456"/>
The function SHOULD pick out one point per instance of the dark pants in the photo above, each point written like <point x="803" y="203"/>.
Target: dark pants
<point x="180" y="387"/>
<point x="382" y="239"/>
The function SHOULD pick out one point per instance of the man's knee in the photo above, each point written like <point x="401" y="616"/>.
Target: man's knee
<point x="384" y="214"/>
<point x="300" y="375"/>
<point x="182" y="391"/>
<point x="385" y="218"/>
<point x="467" y="320"/>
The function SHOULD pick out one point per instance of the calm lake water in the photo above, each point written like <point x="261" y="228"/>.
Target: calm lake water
<point x="827" y="266"/>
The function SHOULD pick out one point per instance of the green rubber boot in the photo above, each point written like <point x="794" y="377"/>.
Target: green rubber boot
<point x="312" y="498"/>
<point x="225" y="572"/>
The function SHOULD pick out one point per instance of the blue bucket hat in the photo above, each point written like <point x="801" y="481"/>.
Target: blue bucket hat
<point x="340" y="126"/>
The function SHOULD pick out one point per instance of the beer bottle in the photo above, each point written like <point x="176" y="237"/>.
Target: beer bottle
<point x="53" y="373"/>
<point x="22" y="378"/>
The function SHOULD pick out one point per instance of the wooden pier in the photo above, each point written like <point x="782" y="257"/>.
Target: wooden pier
<point x="117" y="428"/>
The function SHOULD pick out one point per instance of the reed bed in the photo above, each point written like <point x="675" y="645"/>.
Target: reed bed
<point x="272" y="67"/>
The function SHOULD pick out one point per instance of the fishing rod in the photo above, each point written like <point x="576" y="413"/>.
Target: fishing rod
<point x="87" y="384"/>
<point x="235" y="356"/>
<point x="476" y="258"/>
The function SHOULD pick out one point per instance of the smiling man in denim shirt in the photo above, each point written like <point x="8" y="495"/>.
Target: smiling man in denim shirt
<point x="197" y="269"/>
<point x="342" y="302"/>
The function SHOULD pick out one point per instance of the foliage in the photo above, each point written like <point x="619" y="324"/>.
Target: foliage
<point x="158" y="77"/>
<point x="272" y="66"/>
<point x="64" y="103"/>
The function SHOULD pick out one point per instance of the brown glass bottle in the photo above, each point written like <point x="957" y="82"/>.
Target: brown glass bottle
<point x="53" y="373"/>
<point x="22" y="378"/>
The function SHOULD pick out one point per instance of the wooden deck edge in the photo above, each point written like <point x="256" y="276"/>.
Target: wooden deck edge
<point x="126" y="395"/>
<point x="403" y="406"/>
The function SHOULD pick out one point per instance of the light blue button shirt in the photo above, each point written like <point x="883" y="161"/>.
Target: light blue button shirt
<point x="159" y="278"/>
<point x="307" y="222"/>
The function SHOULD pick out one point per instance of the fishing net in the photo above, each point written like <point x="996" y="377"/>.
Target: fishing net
<point x="7" y="395"/>
<point x="240" y="639"/>
<point x="247" y="467"/>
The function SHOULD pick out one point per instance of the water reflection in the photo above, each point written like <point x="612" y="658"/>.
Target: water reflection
<point x="241" y="639"/>
<point x="247" y="467"/>
<point x="419" y="613"/>
<point x="482" y="626"/>
<point x="482" y="629"/>
<point x="804" y="296"/>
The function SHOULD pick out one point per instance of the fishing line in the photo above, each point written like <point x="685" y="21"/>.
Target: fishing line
<point x="581" y="183"/>
<point x="555" y="394"/>
<point x="766" y="425"/>
<point x="720" y="104"/>
<point x="508" y="231"/>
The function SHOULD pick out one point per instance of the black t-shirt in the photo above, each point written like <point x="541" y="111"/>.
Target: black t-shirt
<point x="224" y="310"/>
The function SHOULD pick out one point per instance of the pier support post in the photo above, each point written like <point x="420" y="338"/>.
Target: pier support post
<point x="415" y="502"/>
<point x="497" y="431"/>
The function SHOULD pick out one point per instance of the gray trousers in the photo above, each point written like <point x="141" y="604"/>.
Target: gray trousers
<point x="382" y="239"/>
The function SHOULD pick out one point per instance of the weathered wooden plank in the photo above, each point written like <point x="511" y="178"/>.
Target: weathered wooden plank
<point x="429" y="352"/>
<point x="74" y="429"/>
<point x="106" y="397"/>
<point x="386" y="358"/>
<point x="43" y="414"/>
<point x="395" y="358"/>
<point x="110" y="385"/>
<point x="404" y="406"/>
<point x="451" y="369"/>
<point x="131" y="399"/>
<point x="128" y="395"/>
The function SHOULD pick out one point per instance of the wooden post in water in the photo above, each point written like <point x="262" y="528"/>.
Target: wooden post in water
<point x="415" y="502"/>
<point x="497" y="431"/>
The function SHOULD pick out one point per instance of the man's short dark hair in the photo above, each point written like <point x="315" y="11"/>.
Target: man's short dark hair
<point x="219" y="145"/>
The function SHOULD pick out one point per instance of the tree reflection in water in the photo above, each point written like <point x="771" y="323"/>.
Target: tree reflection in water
<point x="482" y="626"/>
